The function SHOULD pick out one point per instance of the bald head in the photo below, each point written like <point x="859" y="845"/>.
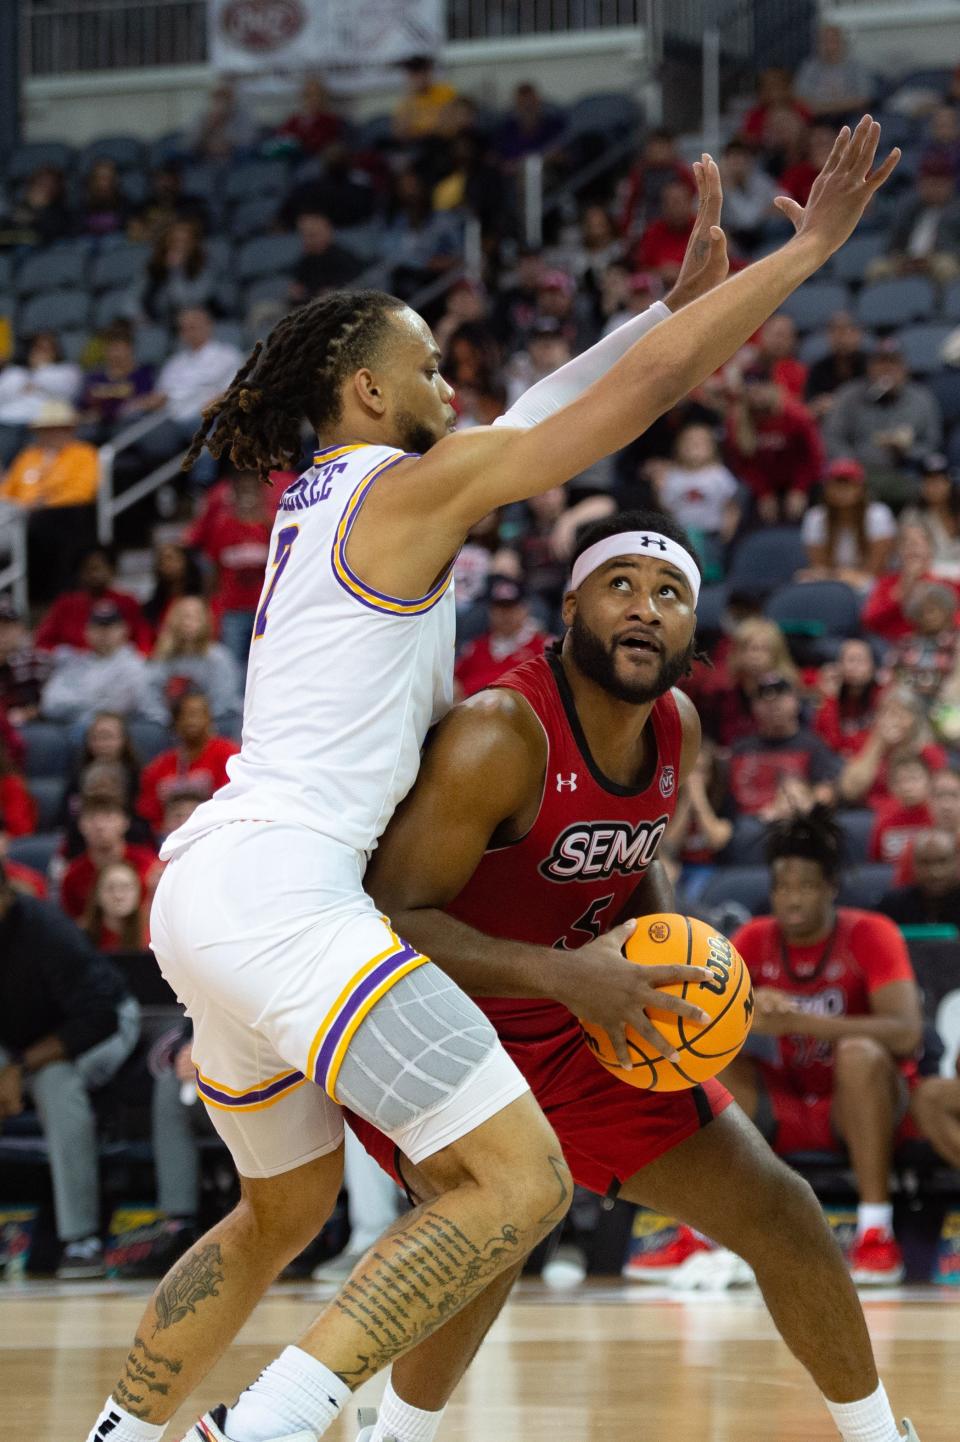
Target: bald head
<point x="936" y="862"/>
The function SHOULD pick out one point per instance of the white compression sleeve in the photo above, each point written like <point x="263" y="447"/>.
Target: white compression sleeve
<point x="571" y="380"/>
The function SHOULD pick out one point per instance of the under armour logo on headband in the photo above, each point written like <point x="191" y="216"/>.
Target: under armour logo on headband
<point x="647" y="541"/>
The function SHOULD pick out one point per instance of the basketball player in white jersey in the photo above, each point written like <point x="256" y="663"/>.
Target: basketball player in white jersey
<point x="300" y="993"/>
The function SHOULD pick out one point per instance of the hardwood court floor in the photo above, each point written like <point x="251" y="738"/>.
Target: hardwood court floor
<point x="608" y="1363"/>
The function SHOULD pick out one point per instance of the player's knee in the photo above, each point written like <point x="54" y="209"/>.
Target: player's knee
<point x="531" y="1174"/>
<point x="857" y="1058"/>
<point x="283" y="1214"/>
<point x="783" y="1211"/>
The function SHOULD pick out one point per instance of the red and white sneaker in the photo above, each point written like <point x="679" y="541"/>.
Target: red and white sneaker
<point x="876" y="1259"/>
<point x="660" y="1264"/>
<point x="209" y="1428"/>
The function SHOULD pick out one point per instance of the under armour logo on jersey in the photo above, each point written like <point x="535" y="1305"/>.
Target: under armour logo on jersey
<point x="570" y="782"/>
<point x="667" y="781"/>
<point x="649" y="541"/>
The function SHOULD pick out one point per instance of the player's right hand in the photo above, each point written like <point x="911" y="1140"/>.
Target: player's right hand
<point x="843" y="189"/>
<point x="610" y="991"/>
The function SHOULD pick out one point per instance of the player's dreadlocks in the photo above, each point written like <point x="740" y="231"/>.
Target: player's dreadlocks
<point x="615" y="525"/>
<point x="295" y="376"/>
<point x="812" y="836"/>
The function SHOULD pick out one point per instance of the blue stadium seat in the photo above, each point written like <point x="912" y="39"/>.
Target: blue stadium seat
<point x="851" y="260"/>
<point x="373" y="133"/>
<point x="28" y="158"/>
<point x="606" y="113"/>
<point x="252" y="179"/>
<point x="946" y="387"/>
<point x="128" y="152"/>
<point x="149" y="739"/>
<point x="813" y="348"/>
<point x="814" y="303"/>
<point x="921" y="345"/>
<point x="365" y="241"/>
<point x="73" y="343"/>
<point x="54" y="310"/>
<point x="122" y="264"/>
<point x="56" y="267"/>
<point x="49" y="751"/>
<point x="748" y="886"/>
<point x="267" y="255"/>
<point x="857" y="827"/>
<point x="47" y="792"/>
<point x="268" y="287"/>
<point x="950" y="302"/>
<point x="37" y="851"/>
<point x="890" y="303"/>
<point x="166" y="149"/>
<point x="864" y="885"/>
<point x="255" y="216"/>
<point x="765" y="559"/>
<point x="711" y="608"/>
<point x="113" y="305"/>
<point x="815" y="608"/>
<point x="745" y="847"/>
<point x="153" y="344"/>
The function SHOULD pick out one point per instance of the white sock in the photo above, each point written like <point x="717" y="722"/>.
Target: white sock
<point x="398" y="1419"/>
<point x="874" y="1214"/>
<point x="295" y="1393"/>
<point x="116" y="1425"/>
<point x="868" y="1421"/>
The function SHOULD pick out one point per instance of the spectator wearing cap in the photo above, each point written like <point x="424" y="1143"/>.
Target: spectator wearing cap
<point x="781" y="750"/>
<point x="938" y="508"/>
<point x="748" y="195"/>
<point x="906" y="812"/>
<point x="934" y="897"/>
<point x="882" y="418"/>
<point x="186" y="654"/>
<point x="104" y="824"/>
<point x="23" y="668"/>
<point x="663" y="244"/>
<point x="67" y="1024"/>
<point x="773" y="445"/>
<point x="925" y="239"/>
<point x="199" y="755"/>
<point x="109" y="667"/>
<point x="323" y="264"/>
<point x="65" y="624"/>
<point x="55" y="469"/>
<point x="418" y="114"/>
<point x="832" y="83"/>
<point x="845" y="360"/>
<point x="847" y="536"/>
<point x="659" y="165"/>
<point x="513" y="636"/>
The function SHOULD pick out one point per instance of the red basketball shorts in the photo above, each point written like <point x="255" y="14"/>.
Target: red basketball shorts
<point x="795" y="1121"/>
<point x="607" y="1129"/>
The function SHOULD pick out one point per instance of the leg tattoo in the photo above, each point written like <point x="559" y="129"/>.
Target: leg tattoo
<point x="198" y="1276"/>
<point x="144" y="1371"/>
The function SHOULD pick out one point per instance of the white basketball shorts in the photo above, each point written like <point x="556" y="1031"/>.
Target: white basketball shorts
<point x="301" y="994"/>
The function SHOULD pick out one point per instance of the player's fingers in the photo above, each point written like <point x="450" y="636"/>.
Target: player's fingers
<point x="679" y="1007"/>
<point x="859" y="140"/>
<point x="836" y="150"/>
<point x="675" y="975"/>
<point x="642" y="1024"/>
<point x="618" y="1040"/>
<point x="868" y="149"/>
<point x="883" y="173"/>
<point x="621" y="934"/>
<point x="700" y="179"/>
<point x="789" y="208"/>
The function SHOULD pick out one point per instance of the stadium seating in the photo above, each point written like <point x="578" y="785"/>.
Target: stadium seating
<point x="814" y="303"/>
<point x="816" y="609"/>
<point x="764" y="560"/>
<point x="890" y="303"/>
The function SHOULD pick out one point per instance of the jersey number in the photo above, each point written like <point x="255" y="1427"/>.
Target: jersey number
<point x="589" y="925"/>
<point x="285" y="541"/>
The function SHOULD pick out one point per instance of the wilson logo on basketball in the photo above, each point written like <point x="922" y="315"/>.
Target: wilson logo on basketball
<point x="603" y="848"/>
<point x="659" y="931"/>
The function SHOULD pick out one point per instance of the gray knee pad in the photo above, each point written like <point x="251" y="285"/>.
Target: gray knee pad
<point x="414" y="1049"/>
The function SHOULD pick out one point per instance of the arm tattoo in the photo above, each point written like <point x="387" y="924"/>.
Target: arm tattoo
<point x="142" y="1372"/>
<point x="197" y="1276"/>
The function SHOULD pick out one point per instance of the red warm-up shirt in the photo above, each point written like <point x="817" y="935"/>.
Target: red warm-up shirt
<point x="80" y="877"/>
<point x="836" y="977"/>
<point x="661" y="244"/>
<point x="789" y="454"/>
<point x="895" y="828"/>
<point x="18" y="810"/>
<point x="65" y="624"/>
<point x="161" y="775"/>
<point x="479" y="668"/>
<point x="239" y="550"/>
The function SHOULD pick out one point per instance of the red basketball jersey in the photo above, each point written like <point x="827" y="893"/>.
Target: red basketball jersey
<point x="567" y="879"/>
<point x="834" y="978"/>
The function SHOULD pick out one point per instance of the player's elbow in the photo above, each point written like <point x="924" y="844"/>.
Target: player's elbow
<point x="907" y="1038"/>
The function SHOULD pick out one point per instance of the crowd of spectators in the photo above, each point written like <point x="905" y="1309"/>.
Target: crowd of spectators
<point x="829" y="437"/>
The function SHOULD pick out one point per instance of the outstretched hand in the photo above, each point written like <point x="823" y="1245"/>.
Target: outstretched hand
<point x="843" y="189"/>
<point x="705" y="262"/>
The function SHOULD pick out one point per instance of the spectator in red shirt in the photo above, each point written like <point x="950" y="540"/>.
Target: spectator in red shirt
<point x="900" y="729"/>
<point x="199" y="754"/>
<point x="845" y="717"/>
<point x="901" y="819"/>
<point x="65" y="624"/>
<point x="797" y="180"/>
<point x="773" y="445"/>
<point x="885" y="613"/>
<point x="925" y="659"/>
<point x="315" y="125"/>
<point x="659" y="166"/>
<point x="945" y="810"/>
<point x="774" y="89"/>
<point x="776" y="352"/>
<point x="780" y="749"/>
<point x="724" y="694"/>
<point x="663" y="244"/>
<point x="233" y="532"/>
<point x="835" y="988"/>
<point x="18" y="810"/>
<point x="513" y="636"/>
<point x="116" y="917"/>
<point x="104" y="823"/>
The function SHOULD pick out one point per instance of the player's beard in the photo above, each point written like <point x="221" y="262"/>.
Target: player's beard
<point x="597" y="661"/>
<point x="415" y="437"/>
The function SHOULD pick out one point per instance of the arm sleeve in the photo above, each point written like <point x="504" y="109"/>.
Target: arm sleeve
<point x="556" y="391"/>
<point x="881" y="952"/>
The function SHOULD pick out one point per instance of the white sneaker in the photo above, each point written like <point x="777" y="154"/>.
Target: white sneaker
<point x="336" y="1269"/>
<point x="209" y="1428"/>
<point x="909" y="1434"/>
<point x="713" y="1271"/>
<point x="81" y="1260"/>
<point x="367" y="1418"/>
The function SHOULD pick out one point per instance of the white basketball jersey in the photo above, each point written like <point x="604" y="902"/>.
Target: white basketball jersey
<point x="343" y="682"/>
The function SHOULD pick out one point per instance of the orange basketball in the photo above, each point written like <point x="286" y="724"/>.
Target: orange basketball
<point x="704" y="1050"/>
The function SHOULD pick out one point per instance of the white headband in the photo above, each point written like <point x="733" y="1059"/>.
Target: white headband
<point x="639" y="543"/>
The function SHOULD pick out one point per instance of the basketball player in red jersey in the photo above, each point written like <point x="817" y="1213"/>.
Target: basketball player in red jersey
<point x="531" y="832"/>
<point x="836" y="987"/>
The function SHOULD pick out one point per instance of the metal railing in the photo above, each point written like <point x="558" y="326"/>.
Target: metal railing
<point x="13" y="544"/>
<point x="496" y="19"/>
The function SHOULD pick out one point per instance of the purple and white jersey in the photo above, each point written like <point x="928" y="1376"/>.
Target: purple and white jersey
<point x="343" y="682"/>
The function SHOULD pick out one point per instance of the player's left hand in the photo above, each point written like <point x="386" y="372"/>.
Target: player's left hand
<point x="705" y="263"/>
<point x="775" y="1012"/>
